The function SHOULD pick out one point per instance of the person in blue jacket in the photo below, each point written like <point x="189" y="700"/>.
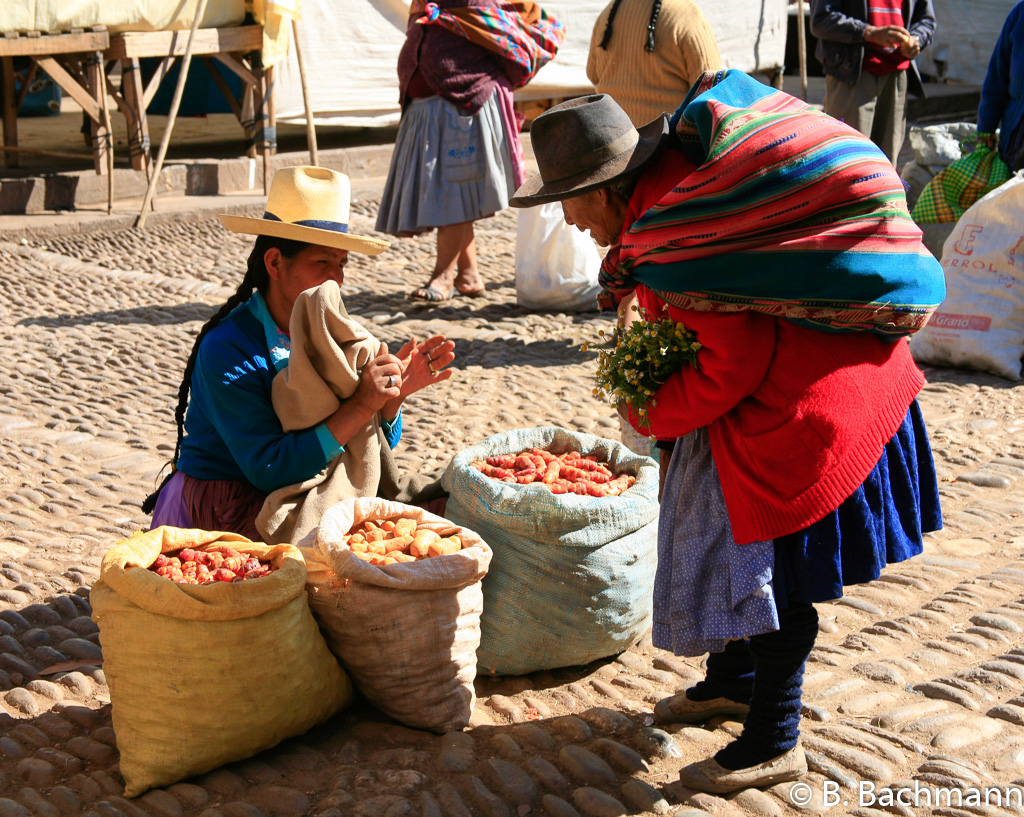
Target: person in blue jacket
<point x="867" y="50"/>
<point x="231" y="451"/>
<point x="1002" y="94"/>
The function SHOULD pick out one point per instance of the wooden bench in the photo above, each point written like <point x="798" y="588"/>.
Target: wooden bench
<point x="236" y="47"/>
<point x="74" y="60"/>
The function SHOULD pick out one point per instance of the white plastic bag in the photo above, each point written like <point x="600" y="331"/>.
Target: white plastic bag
<point x="556" y="264"/>
<point x="980" y="324"/>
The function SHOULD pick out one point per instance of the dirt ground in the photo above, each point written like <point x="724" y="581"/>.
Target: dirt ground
<point x="915" y="681"/>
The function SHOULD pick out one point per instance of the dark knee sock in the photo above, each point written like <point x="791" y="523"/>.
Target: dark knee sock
<point x="773" y="723"/>
<point x="730" y="674"/>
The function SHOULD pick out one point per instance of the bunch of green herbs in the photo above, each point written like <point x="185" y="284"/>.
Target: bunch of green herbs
<point x="642" y="358"/>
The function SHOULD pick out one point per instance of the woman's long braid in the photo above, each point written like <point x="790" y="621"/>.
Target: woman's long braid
<point x="607" y="36"/>
<point x="655" y="11"/>
<point x="255" y="279"/>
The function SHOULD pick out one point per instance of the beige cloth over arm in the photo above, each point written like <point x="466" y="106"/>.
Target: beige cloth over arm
<point x="329" y="350"/>
<point x="649" y="83"/>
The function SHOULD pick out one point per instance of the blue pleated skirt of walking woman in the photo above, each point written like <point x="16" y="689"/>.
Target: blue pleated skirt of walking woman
<point x="708" y="590"/>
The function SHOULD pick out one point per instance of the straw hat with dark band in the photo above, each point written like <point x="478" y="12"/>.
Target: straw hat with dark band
<point x="309" y="204"/>
<point x="584" y="144"/>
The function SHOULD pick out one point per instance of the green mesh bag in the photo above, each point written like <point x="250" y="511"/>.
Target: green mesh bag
<point x="955" y="188"/>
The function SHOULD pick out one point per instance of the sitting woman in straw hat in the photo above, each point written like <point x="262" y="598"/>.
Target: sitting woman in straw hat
<point x="232" y="449"/>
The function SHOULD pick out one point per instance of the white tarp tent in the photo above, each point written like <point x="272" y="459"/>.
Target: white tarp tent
<point x="965" y="34"/>
<point x="350" y="48"/>
<point x="116" y="15"/>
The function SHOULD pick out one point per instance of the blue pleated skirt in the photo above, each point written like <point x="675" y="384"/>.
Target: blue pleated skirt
<point x="708" y="590"/>
<point x="448" y="167"/>
<point x="882" y="522"/>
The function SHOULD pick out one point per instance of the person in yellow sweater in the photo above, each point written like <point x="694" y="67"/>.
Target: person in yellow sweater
<point x="645" y="54"/>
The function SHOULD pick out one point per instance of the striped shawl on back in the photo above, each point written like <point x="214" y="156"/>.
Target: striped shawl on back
<point x="790" y="212"/>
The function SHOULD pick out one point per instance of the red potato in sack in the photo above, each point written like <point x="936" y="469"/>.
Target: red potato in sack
<point x="163" y="641"/>
<point x="218" y="563"/>
<point x="571" y="472"/>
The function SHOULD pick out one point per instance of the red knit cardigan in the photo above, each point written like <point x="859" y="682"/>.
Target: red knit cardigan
<point x="797" y="417"/>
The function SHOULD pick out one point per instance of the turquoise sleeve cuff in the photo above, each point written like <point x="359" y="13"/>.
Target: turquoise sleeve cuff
<point x="330" y="446"/>
<point x="392" y="429"/>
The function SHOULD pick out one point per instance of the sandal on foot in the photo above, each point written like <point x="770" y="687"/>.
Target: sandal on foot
<point x="709" y="776"/>
<point x="430" y="294"/>
<point x="681" y="709"/>
<point x="472" y="293"/>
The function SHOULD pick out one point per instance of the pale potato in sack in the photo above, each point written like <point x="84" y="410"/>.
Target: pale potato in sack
<point x="396" y="591"/>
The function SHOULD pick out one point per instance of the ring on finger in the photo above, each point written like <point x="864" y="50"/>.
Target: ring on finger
<point x="430" y="366"/>
<point x="391" y="381"/>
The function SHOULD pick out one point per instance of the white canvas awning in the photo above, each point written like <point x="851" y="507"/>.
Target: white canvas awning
<point x="351" y="52"/>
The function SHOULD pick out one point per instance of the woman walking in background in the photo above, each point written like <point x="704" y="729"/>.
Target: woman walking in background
<point x="457" y="155"/>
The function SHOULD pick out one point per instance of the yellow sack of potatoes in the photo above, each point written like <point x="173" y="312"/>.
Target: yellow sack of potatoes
<point x="202" y="675"/>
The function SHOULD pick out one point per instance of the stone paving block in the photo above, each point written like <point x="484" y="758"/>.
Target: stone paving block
<point x="84" y="456"/>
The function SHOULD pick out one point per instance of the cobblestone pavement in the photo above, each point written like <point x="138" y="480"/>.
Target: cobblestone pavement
<point x="917" y="679"/>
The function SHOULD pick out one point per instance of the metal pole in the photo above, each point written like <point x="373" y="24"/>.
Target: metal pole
<point x="173" y="114"/>
<point x="801" y="39"/>
<point x="310" y="127"/>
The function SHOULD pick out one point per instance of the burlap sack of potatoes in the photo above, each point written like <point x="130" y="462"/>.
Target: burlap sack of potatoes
<point x="407" y="633"/>
<point x="202" y="675"/>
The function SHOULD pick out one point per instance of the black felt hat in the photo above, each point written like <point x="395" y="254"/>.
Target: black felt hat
<point x="585" y="144"/>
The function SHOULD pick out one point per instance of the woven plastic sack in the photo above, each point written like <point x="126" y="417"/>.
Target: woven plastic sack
<point x="407" y="633"/>
<point x="957" y="187"/>
<point x="202" y="675"/>
<point x="980" y="324"/>
<point x="572" y="578"/>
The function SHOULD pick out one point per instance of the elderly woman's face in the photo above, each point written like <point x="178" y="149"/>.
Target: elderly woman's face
<point x="597" y="211"/>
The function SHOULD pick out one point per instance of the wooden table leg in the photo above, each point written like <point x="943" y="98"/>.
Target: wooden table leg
<point x="251" y="96"/>
<point x="268" y="135"/>
<point x="101" y="136"/>
<point x="10" y="103"/>
<point x="138" y="127"/>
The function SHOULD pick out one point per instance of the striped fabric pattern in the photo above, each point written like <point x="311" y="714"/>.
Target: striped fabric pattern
<point x="878" y="60"/>
<point x="519" y="31"/>
<point x="792" y="213"/>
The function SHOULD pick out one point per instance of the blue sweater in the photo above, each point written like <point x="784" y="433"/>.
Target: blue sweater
<point x="1002" y="95"/>
<point x="231" y="430"/>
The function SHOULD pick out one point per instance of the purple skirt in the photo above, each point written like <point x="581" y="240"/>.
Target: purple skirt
<point x="209" y="504"/>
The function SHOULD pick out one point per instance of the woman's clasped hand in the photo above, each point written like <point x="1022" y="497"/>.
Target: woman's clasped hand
<point x="388" y="379"/>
